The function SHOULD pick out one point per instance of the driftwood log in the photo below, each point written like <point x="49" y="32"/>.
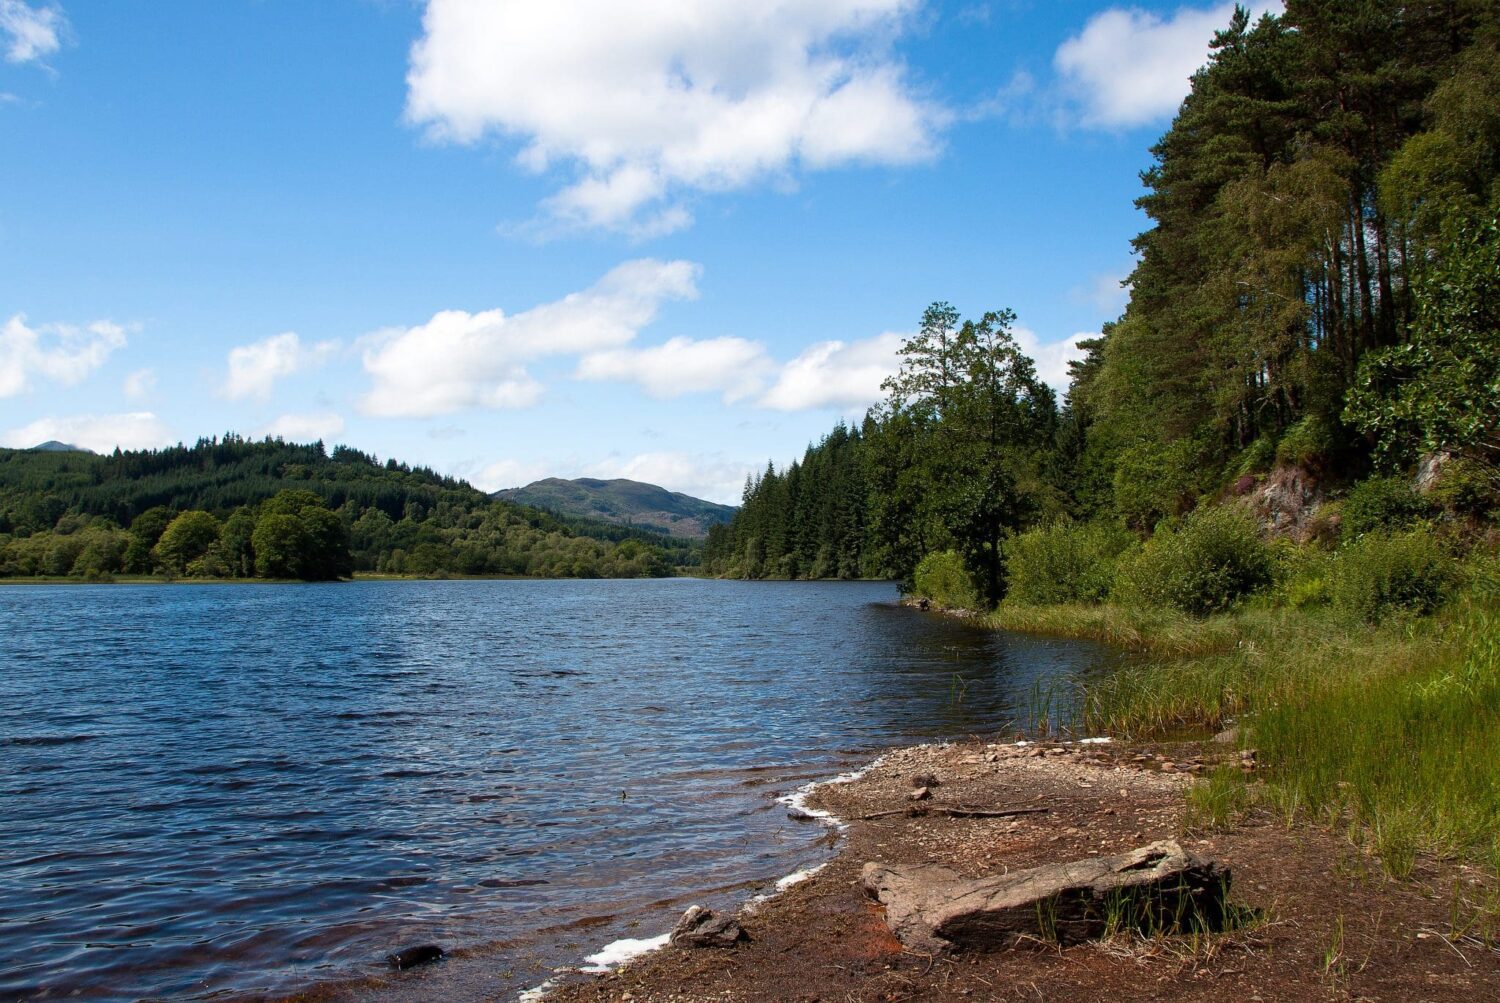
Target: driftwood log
<point x="1160" y="888"/>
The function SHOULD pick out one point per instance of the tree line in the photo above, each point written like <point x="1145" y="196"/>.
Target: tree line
<point x="235" y="508"/>
<point x="1319" y="287"/>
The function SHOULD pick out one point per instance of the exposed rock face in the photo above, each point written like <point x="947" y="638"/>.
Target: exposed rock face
<point x="1160" y="888"/>
<point x="1287" y="503"/>
<point x="700" y="927"/>
<point x="1430" y="472"/>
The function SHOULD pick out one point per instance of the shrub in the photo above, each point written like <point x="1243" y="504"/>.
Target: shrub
<point x="1382" y="504"/>
<point x="1301" y="573"/>
<point x="1065" y="562"/>
<point x="1467" y="488"/>
<point x="1205" y="565"/>
<point x="943" y="578"/>
<point x="1306" y="442"/>
<point x="1377" y="574"/>
<point x="1257" y="458"/>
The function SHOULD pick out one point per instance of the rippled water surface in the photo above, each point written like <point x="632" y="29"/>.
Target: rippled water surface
<point x="237" y="790"/>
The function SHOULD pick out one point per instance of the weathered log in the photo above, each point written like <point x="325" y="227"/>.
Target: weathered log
<point x="1160" y="888"/>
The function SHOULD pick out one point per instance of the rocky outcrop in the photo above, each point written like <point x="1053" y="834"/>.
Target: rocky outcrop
<point x="1157" y="888"/>
<point x="700" y="927"/>
<point x="1287" y="503"/>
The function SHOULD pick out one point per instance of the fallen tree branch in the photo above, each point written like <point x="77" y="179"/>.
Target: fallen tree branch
<point x="922" y="810"/>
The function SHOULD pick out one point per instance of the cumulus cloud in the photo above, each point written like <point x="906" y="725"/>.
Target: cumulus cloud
<point x="99" y="432"/>
<point x="731" y="366"/>
<point x="702" y="475"/>
<point x="60" y="353"/>
<point x="461" y="360"/>
<point x="1130" y="67"/>
<point x="835" y="374"/>
<point x="1052" y="357"/>
<point x="30" y="34"/>
<point x="649" y="102"/>
<point x="139" y="385"/>
<point x="502" y="474"/>
<point x="255" y="368"/>
<point x="322" y="426"/>
<point x="1106" y="292"/>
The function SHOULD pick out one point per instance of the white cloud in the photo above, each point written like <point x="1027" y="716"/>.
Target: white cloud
<point x="460" y="360"/>
<point x="651" y="101"/>
<point x="504" y="474"/>
<point x="732" y="366"/>
<point x="1052" y="357"/>
<point x="708" y="476"/>
<point x="30" y="33"/>
<point x="1130" y="67"/>
<point x="835" y="374"/>
<point x="140" y="384"/>
<point x="61" y="353"/>
<point x="1106" y="292"/>
<point x="702" y="475"/>
<point x="324" y="426"/>
<point x="255" y="368"/>
<point x="99" y="432"/>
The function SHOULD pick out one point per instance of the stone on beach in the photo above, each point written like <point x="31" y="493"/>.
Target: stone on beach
<point x="411" y="957"/>
<point x="700" y="927"/>
<point x="1159" y="887"/>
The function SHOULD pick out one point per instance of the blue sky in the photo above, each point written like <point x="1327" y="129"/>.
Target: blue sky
<point x="656" y="239"/>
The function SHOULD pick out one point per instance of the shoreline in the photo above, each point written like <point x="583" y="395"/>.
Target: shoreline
<point x="818" y="933"/>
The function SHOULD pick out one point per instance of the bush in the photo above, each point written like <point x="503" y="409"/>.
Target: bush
<point x="1301" y="573"/>
<point x="1377" y="574"/>
<point x="1257" y="458"/>
<point x="1306" y="442"/>
<point x="1467" y="488"/>
<point x="1383" y="504"/>
<point x="943" y="578"/>
<point x="1206" y="565"/>
<point x="1065" y="562"/>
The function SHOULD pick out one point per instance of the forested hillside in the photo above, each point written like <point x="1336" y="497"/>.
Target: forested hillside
<point x="236" y="508"/>
<point x="1318" y="294"/>
<point x="624" y="502"/>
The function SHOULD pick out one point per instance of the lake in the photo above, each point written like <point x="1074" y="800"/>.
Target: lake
<point x="228" y="791"/>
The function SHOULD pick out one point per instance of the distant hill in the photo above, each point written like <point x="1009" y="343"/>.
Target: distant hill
<point x="53" y="446"/>
<point x="56" y="504"/>
<point x="625" y="502"/>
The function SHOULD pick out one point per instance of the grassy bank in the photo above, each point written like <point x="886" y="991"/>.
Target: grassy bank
<point x="1391" y="728"/>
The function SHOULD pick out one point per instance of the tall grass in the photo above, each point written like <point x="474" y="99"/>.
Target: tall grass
<point x="1392" y="728"/>
<point x="1406" y="745"/>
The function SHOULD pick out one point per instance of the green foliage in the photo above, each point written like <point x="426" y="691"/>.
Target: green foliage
<point x="1468" y="488"/>
<point x="1379" y="574"/>
<point x="1257" y="458"/>
<point x="1383" y="504"/>
<point x="1064" y="562"/>
<point x="1207" y="564"/>
<point x="944" y="578"/>
<point x="186" y="539"/>
<point x="1307" y="443"/>
<point x="384" y="513"/>
<point x="1440" y="391"/>
<point x="1154" y="480"/>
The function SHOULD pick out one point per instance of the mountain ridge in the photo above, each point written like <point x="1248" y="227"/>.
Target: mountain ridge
<point x="624" y="502"/>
